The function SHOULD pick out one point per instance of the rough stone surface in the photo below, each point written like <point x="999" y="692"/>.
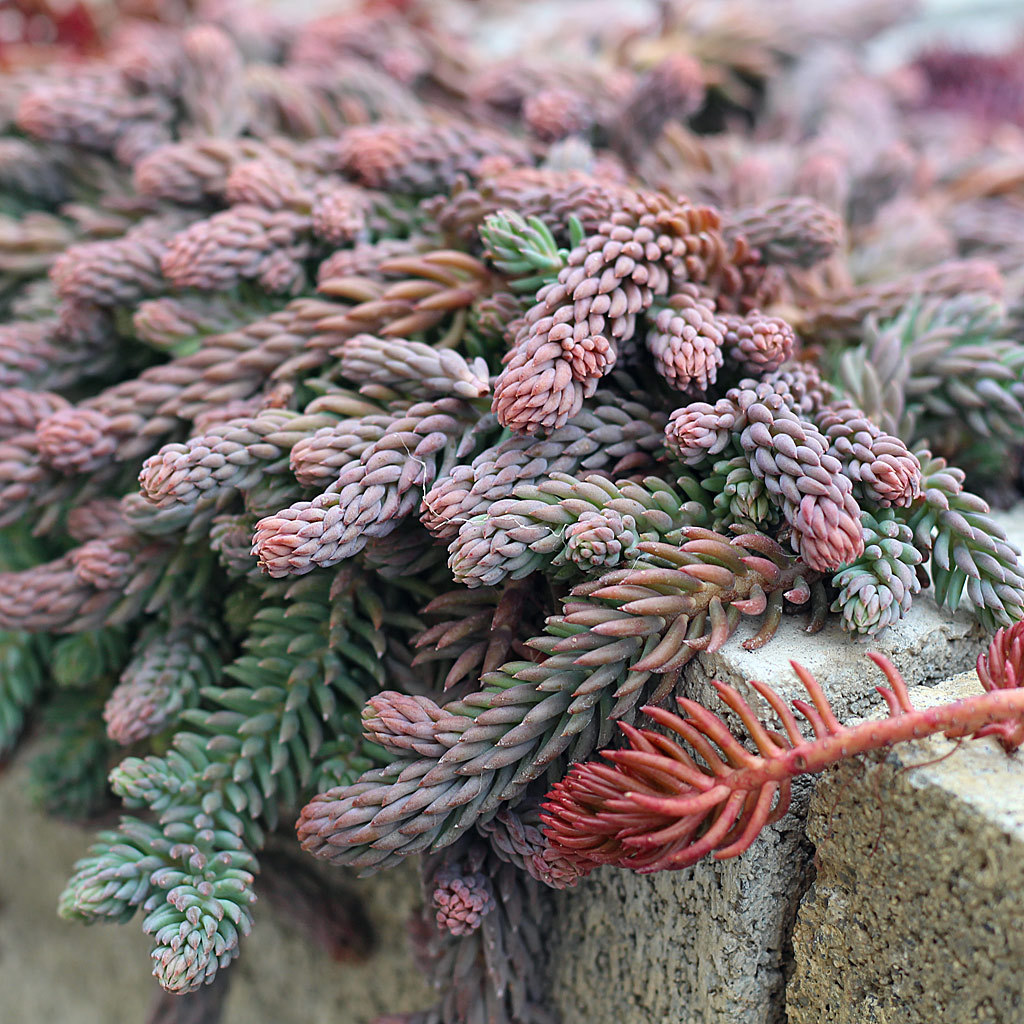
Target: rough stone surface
<point x="928" y="646"/>
<point x="710" y="944"/>
<point x="705" y="945"/>
<point x="55" y="971"/>
<point x="915" y="915"/>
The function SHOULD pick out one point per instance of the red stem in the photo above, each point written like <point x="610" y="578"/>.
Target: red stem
<point x="656" y="808"/>
<point x="961" y="718"/>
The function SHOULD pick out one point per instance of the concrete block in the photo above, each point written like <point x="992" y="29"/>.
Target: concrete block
<point x="706" y="945"/>
<point x="929" y="645"/>
<point x="915" y="914"/>
<point x="710" y="944"/>
<point x="52" y="970"/>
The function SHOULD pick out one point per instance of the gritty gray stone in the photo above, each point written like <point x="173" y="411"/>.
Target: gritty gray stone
<point x="915" y="914"/>
<point x="55" y="971"/>
<point x="704" y="945"/>
<point x="929" y="645"/>
<point x="710" y="944"/>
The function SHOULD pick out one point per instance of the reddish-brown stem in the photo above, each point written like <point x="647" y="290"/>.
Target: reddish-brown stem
<point x="656" y="807"/>
<point x="961" y="718"/>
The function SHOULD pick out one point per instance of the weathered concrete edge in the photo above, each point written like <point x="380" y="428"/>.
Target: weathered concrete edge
<point x="920" y="888"/>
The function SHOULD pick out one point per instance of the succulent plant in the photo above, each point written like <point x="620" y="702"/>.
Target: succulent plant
<point x="382" y="428"/>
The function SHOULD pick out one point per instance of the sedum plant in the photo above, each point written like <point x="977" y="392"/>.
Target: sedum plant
<point x="656" y="808"/>
<point x="382" y="428"/>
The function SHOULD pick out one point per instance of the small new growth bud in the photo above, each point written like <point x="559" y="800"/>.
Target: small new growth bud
<point x="462" y="901"/>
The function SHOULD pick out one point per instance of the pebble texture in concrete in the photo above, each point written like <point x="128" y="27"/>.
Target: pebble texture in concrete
<point x="709" y="944"/>
<point x="55" y="972"/>
<point x="705" y="945"/>
<point x="929" y="645"/>
<point x="915" y="915"/>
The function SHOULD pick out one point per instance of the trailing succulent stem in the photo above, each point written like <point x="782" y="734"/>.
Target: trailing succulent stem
<point x="568" y="527"/>
<point x="654" y="807"/>
<point x="969" y="552"/>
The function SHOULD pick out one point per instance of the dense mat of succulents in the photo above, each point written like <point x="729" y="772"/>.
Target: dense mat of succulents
<point x="382" y="427"/>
